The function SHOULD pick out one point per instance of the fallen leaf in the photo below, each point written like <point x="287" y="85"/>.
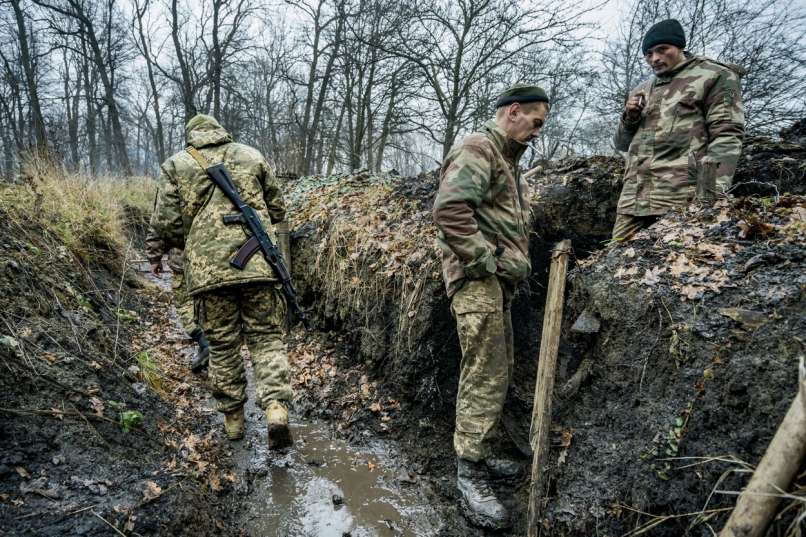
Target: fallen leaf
<point x="97" y="406"/>
<point x="630" y="252"/>
<point x="152" y="491"/>
<point x="748" y="318"/>
<point x="25" y="474"/>
<point x="623" y="273"/>
<point x="372" y="466"/>
<point x="652" y="276"/>
<point x="679" y="265"/>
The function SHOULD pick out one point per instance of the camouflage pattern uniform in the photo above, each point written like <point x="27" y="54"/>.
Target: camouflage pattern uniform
<point x="693" y="116"/>
<point x="482" y="213"/>
<point x="232" y="304"/>
<point x="155" y="249"/>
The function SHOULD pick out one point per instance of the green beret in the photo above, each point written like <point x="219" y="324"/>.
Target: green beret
<point x="522" y="93"/>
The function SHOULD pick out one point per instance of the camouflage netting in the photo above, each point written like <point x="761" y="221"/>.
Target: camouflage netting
<point x="672" y="342"/>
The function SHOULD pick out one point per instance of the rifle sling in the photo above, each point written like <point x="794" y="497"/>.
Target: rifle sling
<point x="198" y="157"/>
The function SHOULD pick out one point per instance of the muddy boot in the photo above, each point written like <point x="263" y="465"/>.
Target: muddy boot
<point x="501" y="468"/>
<point x="202" y="356"/>
<point x="234" y="424"/>
<point x="481" y="507"/>
<point x="277" y="421"/>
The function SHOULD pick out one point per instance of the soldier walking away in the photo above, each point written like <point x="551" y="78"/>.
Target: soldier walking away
<point x="234" y="306"/>
<point x="155" y="249"/>
<point x="482" y="213"/>
<point x="685" y="121"/>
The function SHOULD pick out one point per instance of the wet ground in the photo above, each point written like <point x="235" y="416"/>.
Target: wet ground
<point x="323" y="486"/>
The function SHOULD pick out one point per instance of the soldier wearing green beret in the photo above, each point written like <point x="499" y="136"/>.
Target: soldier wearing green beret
<point x="482" y="213"/>
<point x="684" y="122"/>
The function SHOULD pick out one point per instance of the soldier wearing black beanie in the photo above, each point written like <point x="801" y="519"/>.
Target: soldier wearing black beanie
<point x="668" y="32"/>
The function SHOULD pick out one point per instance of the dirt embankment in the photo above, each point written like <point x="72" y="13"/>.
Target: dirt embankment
<point x="94" y="436"/>
<point x="672" y="370"/>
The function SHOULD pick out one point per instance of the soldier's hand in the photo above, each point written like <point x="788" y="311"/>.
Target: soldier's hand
<point x="634" y="107"/>
<point x="156" y="268"/>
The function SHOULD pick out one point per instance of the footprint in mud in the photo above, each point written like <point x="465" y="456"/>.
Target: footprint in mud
<point x="323" y="487"/>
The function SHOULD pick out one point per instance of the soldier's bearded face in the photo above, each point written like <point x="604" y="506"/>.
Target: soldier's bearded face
<point x="526" y="123"/>
<point x="663" y="58"/>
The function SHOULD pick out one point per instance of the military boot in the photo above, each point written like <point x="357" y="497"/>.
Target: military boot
<point x="234" y="424"/>
<point x="502" y="468"/>
<point x="481" y="506"/>
<point x="277" y="421"/>
<point x="202" y="357"/>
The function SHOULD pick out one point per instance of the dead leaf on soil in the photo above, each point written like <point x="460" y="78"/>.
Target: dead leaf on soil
<point x="748" y="318"/>
<point x="23" y="473"/>
<point x="97" y="406"/>
<point x="652" y="276"/>
<point x="630" y="252"/>
<point x="625" y="272"/>
<point x="152" y="491"/>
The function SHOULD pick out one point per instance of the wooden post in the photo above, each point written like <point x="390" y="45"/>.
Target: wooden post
<point x="758" y="503"/>
<point x="546" y="367"/>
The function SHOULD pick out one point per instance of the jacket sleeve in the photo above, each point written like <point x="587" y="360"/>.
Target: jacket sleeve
<point x="724" y="121"/>
<point x="465" y="179"/>
<point x="626" y="128"/>
<point x="166" y="221"/>
<point x="271" y="194"/>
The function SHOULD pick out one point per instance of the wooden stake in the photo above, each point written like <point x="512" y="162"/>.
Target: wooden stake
<point x="546" y="367"/>
<point x="758" y="503"/>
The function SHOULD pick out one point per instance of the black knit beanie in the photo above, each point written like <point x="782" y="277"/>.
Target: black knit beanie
<point x="668" y="32"/>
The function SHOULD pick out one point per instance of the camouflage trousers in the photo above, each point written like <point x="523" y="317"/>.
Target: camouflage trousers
<point x="628" y="225"/>
<point x="251" y="314"/>
<point x="183" y="303"/>
<point x="484" y="324"/>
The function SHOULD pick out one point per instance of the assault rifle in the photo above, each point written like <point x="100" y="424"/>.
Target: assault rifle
<point x="259" y="241"/>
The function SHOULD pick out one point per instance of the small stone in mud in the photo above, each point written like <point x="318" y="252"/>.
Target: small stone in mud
<point x="337" y="500"/>
<point x="139" y="388"/>
<point x="57" y="460"/>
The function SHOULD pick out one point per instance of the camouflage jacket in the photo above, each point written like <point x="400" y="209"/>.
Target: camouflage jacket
<point x="190" y="208"/>
<point x="482" y="210"/>
<point x="155" y="249"/>
<point x="692" y="115"/>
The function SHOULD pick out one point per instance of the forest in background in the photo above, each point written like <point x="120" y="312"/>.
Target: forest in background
<point x="104" y="87"/>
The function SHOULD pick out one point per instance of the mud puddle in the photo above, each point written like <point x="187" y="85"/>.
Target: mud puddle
<point x="324" y="487"/>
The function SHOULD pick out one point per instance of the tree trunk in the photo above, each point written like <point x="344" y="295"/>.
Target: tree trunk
<point x="187" y="86"/>
<point x="38" y="123"/>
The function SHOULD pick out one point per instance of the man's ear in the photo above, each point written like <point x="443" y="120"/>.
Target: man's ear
<point x="513" y="110"/>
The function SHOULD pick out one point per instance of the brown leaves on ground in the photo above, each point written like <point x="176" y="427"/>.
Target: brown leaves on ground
<point x="699" y="245"/>
<point x="314" y="369"/>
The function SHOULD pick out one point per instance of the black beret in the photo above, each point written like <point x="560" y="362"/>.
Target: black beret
<point x="522" y="93"/>
<point x="668" y="32"/>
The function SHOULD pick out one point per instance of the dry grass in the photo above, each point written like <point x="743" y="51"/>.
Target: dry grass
<point x="375" y="250"/>
<point x="87" y="215"/>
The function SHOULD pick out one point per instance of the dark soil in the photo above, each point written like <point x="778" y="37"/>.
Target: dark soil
<point x="659" y="365"/>
<point x="69" y="376"/>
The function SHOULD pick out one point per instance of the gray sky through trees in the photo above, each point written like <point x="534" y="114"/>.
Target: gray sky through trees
<point x="339" y="85"/>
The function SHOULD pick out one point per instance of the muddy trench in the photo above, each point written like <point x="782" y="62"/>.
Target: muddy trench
<point x="667" y="393"/>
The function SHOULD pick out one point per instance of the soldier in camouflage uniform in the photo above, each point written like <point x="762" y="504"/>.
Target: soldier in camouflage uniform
<point x="685" y="121"/>
<point x="482" y="213"/>
<point x="233" y="305"/>
<point x="155" y="249"/>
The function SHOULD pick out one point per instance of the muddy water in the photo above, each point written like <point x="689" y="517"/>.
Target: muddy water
<point x="323" y="487"/>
